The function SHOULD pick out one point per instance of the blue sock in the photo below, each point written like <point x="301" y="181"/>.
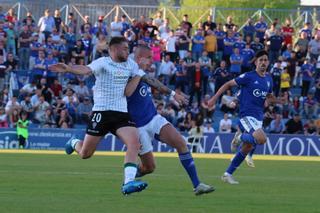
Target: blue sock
<point x="188" y="164"/>
<point x="252" y="151"/>
<point x="248" y="138"/>
<point x="235" y="163"/>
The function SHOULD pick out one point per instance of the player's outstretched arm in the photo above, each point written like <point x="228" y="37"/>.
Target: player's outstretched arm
<point x="181" y="98"/>
<point x="75" y="69"/>
<point x="222" y="90"/>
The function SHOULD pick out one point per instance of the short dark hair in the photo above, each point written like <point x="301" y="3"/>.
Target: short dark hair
<point x="117" y="40"/>
<point x="261" y="53"/>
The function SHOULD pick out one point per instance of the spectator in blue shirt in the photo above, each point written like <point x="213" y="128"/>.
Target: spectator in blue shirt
<point x="228" y="46"/>
<point x="236" y="61"/>
<point x="276" y="42"/>
<point x="247" y="54"/>
<point x="276" y="77"/>
<point x="220" y="34"/>
<point x="249" y="29"/>
<point x="256" y="45"/>
<point x="239" y="43"/>
<point x="197" y="45"/>
<point x="307" y="71"/>
<point x="261" y="28"/>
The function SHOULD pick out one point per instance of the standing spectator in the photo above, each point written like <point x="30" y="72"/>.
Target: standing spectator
<point x="314" y="48"/>
<point x="249" y="29"/>
<point x="167" y="69"/>
<point x="156" y="54"/>
<point x="303" y="43"/>
<point x="229" y="25"/>
<point x="275" y="46"/>
<point x="183" y="44"/>
<point x="236" y="62"/>
<point x="225" y="124"/>
<point x="72" y="22"/>
<point x="247" y="54"/>
<point x="39" y="66"/>
<point x="220" y="35"/>
<point x="22" y="129"/>
<point x="276" y="78"/>
<point x="171" y="46"/>
<point x="307" y="29"/>
<point x="3" y="72"/>
<point x="210" y="44"/>
<point x="3" y="34"/>
<point x="209" y="24"/>
<point x="205" y="63"/>
<point x="256" y="45"/>
<point x="125" y="24"/>
<point x="181" y="76"/>
<point x="310" y="106"/>
<point x="288" y="32"/>
<point x="261" y="27"/>
<point x="86" y="26"/>
<point x="307" y="71"/>
<point x="57" y="20"/>
<point x="158" y="21"/>
<point x="11" y="39"/>
<point x="78" y="51"/>
<point x="285" y="80"/>
<point x="46" y="24"/>
<point x="228" y="46"/>
<point x="186" y="25"/>
<point x="29" y="21"/>
<point x="24" y="49"/>
<point x="206" y="110"/>
<point x="221" y="76"/>
<point x="196" y="85"/>
<point x="116" y="27"/>
<point x="198" y="42"/>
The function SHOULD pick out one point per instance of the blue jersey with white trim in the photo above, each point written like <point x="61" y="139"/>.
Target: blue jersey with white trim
<point x="140" y="105"/>
<point x="253" y="92"/>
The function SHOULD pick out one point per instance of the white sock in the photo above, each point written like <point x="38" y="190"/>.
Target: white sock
<point x="74" y="143"/>
<point x="129" y="173"/>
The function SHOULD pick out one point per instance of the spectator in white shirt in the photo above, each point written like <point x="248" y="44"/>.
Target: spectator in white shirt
<point x="116" y="27"/>
<point x="167" y="69"/>
<point x="225" y="124"/>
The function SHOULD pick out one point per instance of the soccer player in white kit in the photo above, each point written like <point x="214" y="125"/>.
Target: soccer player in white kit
<point x="109" y="113"/>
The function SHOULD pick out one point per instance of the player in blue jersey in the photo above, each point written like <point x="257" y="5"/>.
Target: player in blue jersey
<point x="151" y="125"/>
<point x="255" y="89"/>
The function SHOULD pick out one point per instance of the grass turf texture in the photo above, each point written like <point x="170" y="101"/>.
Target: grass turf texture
<point x="60" y="183"/>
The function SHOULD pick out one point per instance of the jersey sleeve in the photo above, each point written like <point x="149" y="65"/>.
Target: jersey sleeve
<point x="135" y="69"/>
<point x="96" y="66"/>
<point x="242" y="79"/>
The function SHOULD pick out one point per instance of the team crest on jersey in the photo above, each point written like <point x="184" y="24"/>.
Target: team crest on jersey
<point x="94" y="124"/>
<point x="143" y="91"/>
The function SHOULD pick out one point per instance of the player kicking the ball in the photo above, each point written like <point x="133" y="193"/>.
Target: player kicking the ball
<point x="151" y="125"/>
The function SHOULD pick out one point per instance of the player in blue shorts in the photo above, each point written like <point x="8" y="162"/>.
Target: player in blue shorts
<point x="255" y="89"/>
<point x="151" y="125"/>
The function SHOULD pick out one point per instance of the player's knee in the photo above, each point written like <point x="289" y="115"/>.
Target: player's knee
<point x="149" y="168"/>
<point x="246" y="148"/>
<point x="85" y="155"/>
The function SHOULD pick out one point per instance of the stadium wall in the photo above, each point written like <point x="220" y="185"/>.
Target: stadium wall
<point x="54" y="139"/>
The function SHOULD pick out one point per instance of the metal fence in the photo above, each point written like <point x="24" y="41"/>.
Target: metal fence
<point x="196" y="14"/>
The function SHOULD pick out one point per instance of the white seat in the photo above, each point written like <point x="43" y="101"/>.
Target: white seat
<point x="195" y="143"/>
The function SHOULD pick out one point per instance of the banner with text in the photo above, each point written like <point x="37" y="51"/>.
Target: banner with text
<point x="55" y="139"/>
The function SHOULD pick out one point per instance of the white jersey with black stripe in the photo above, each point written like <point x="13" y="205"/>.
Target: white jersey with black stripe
<point x="111" y="80"/>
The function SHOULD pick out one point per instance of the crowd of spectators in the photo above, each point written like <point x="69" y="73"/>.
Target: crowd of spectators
<point x="196" y="60"/>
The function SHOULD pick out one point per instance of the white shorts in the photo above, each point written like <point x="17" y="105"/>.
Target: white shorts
<point x="149" y="132"/>
<point x="250" y="124"/>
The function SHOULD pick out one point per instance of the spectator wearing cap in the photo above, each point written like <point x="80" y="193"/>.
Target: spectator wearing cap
<point x="46" y="24"/>
<point x="25" y="39"/>
<point x="116" y="27"/>
<point x="198" y="42"/>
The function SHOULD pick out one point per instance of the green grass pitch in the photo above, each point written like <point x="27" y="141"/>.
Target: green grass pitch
<point x="60" y="183"/>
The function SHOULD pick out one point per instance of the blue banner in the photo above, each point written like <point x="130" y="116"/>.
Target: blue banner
<point x="55" y="139"/>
